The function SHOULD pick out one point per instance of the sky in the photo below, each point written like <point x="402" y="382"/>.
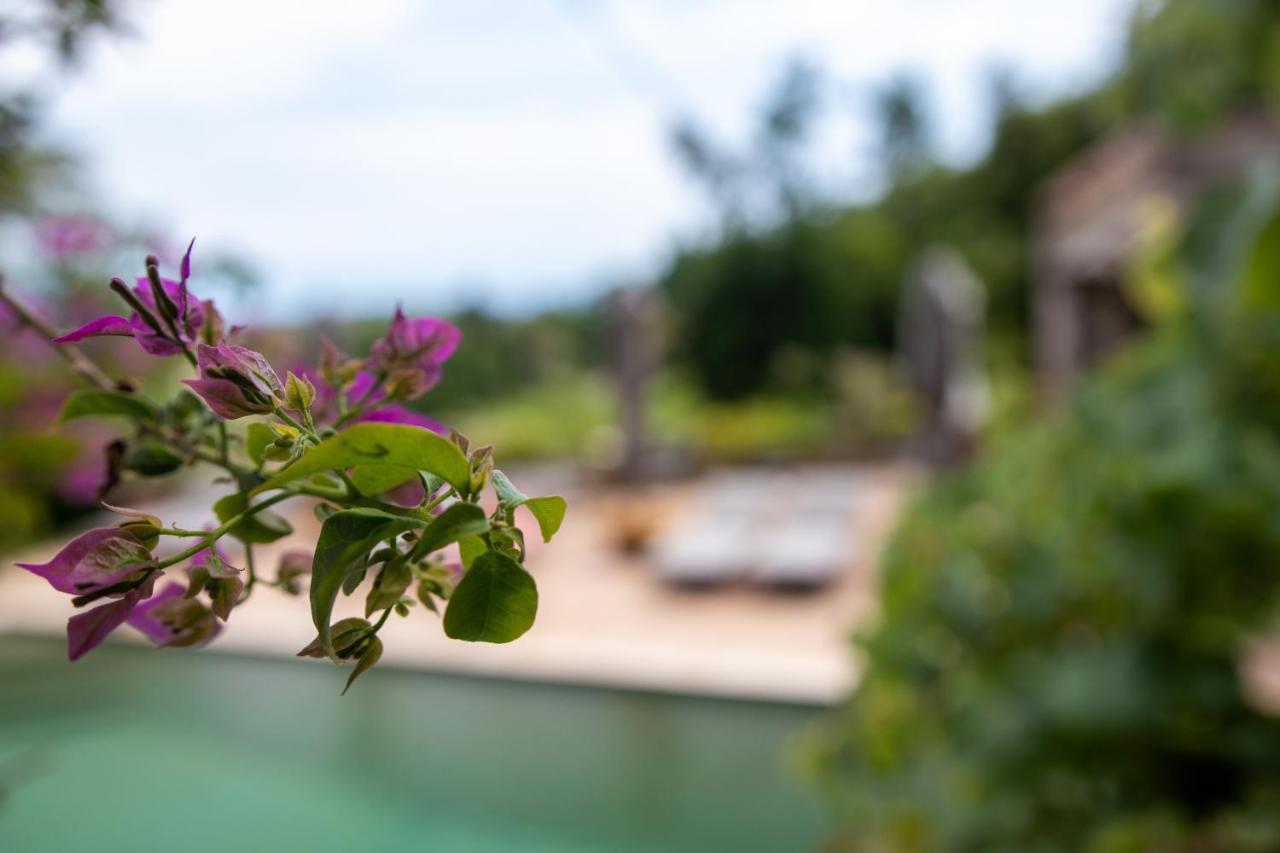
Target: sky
<point x="508" y="153"/>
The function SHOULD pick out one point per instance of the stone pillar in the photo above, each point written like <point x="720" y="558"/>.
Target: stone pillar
<point x="635" y="348"/>
<point x="940" y="343"/>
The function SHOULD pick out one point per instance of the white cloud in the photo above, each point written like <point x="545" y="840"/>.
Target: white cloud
<point x="396" y="144"/>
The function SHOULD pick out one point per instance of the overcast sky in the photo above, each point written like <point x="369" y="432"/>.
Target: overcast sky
<point x="512" y="153"/>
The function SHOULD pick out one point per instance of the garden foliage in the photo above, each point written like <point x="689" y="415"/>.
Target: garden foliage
<point x="1057" y="666"/>
<point x="392" y="490"/>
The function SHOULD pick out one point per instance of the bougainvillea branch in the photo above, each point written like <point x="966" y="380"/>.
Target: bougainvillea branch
<point x="78" y="361"/>
<point x="397" y="497"/>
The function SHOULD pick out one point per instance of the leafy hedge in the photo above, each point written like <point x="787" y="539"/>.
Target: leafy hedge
<point x="1056" y="666"/>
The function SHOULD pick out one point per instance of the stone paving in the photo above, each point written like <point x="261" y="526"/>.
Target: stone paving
<point x="606" y="615"/>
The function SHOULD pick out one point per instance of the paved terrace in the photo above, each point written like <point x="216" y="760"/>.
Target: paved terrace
<point x="605" y="617"/>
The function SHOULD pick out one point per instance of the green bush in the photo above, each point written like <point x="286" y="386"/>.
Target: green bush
<point x="1057" y="662"/>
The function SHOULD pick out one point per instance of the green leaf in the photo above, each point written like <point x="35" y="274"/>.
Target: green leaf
<point x="152" y="458"/>
<point x="353" y="581"/>
<point x="262" y="527"/>
<point x="89" y="402"/>
<point x="470" y="547"/>
<point x="456" y="522"/>
<point x="547" y="511"/>
<point x="390" y="584"/>
<point x="427" y="590"/>
<point x="1260" y="284"/>
<point x="371" y="654"/>
<point x="257" y="438"/>
<point x="347" y="633"/>
<point x="495" y="602"/>
<point x="373" y="480"/>
<point x="143" y="525"/>
<point x="509" y="541"/>
<point x="508" y="495"/>
<point x="345" y="541"/>
<point x="379" y="444"/>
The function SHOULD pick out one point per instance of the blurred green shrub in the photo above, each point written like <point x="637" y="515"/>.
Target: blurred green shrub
<point x="876" y="411"/>
<point x="561" y="417"/>
<point x="573" y="414"/>
<point x="1056" y="664"/>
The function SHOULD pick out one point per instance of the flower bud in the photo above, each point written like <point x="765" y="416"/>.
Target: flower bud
<point x="95" y="561"/>
<point x="412" y="353"/>
<point x="293" y="565"/>
<point x="235" y="381"/>
<point x="299" y="393"/>
<point x="171" y="619"/>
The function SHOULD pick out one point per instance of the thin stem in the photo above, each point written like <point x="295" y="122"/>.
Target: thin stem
<point x="382" y="620"/>
<point x="78" y="360"/>
<point x="348" y="482"/>
<point x="293" y="422"/>
<point x="250" y="577"/>
<point x="430" y="505"/>
<point x="212" y="459"/>
<point x="358" y="408"/>
<point x="218" y="532"/>
<point x="315" y="490"/>
<point x="178" y="531"/>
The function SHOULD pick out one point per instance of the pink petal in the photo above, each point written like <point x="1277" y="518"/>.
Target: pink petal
<point x="401" y="415"/>
<point x="184" y="269"/>
<point x="223" y="396"/>
<point x="86" y="631"/>
<point x="155" y="630"/>
<point x="109" y="325"/>
<point x="93" y="560"/>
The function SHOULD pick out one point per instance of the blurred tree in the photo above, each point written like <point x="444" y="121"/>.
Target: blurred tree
<point x="1187" y="64"/>
<point x="827" y="277"/>
<point x="1057" y="663"/>
<point x="787" y="120"/>
<point x="44" y="474"/>
<point x="766" y="182"/>
<point x="63" y="26"/>
<point x="1190" y="62"/>
<point x="904" y="135"/>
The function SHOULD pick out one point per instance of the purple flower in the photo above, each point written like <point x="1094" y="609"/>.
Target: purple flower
<point x="212" y="556"/>
<point x="407" y="494"/>
<point x="235" y="381"/>
<point x="156" y="341"/>
<point x="64" y="238"/>
<point x="362" y="391"/>
<point x="210" y="571"/>
<point x="293" y="565"/>
<point x="80" y="483"/>
<point x="413" y="352"/>
<point x="401" y="415"/>
<point x="172" y="619"/>
<point x="153" y="332"/>
<point x="96" y="560"/>
<point x="85" y="631"/>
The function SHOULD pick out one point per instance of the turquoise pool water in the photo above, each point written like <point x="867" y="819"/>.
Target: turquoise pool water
<point x="140" y="750"/>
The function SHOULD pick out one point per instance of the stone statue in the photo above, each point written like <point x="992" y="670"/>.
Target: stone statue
<point x="940" y="336"/>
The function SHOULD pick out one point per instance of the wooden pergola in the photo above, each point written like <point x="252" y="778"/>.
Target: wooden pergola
<point x="1091" y="214"/>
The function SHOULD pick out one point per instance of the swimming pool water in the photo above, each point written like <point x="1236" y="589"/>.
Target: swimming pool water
<point x="136" y="750"/>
